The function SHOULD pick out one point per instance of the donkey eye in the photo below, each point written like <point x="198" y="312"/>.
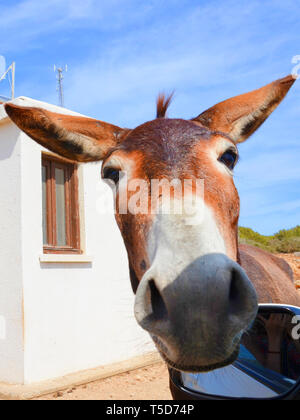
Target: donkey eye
<point x="112" y="174"/>
<point x="229" y="159"/>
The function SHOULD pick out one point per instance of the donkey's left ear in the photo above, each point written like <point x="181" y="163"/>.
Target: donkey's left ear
<point x="242" y="115"/>
<point x="76" y="138"/>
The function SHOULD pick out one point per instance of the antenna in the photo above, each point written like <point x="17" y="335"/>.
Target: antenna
<point x="60" y="88"/>
<point x="12" y="69"/>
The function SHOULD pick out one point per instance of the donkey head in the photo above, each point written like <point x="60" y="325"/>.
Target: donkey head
<point x="192" y="296"/>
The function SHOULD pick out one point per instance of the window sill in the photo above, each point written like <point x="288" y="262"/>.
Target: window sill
<point x="65" y="258"/>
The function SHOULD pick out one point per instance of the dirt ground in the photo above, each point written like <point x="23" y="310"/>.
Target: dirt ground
<point x="150" y="383"/>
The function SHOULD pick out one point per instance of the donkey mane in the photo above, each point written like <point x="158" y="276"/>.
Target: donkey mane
<point x="162" y="104"/>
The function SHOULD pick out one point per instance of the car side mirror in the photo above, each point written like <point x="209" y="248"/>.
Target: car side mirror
<point x="268" y="365"/>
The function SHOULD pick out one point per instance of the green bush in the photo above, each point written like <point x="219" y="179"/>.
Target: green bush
<point x="285" y="241"/>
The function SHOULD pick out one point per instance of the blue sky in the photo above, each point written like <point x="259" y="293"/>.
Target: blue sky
<point x="122" y="53"/>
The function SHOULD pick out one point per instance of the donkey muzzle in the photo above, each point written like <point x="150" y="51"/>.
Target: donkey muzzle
<point x="197" y="319"/>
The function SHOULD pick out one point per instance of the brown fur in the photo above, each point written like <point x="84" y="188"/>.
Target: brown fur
<point x="271" y="276"/>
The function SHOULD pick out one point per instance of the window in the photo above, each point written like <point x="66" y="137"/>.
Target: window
<point x="61" y="228"/>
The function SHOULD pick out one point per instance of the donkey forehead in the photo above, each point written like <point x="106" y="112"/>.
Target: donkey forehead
<point x="165" y="136"/>
<point x="168" y="143"/>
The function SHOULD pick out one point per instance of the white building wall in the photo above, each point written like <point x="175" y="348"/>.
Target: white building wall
<point x="76" y="315"/>
<point x="11" y="293"/>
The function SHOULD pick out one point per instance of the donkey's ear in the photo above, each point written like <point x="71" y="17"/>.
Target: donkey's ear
<point x="242" y="115"/>
<point x="77" y="138"/>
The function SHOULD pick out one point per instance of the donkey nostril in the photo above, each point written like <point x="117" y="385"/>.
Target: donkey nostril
<point x="159" y="309"/>
<point x="234" y="288"/>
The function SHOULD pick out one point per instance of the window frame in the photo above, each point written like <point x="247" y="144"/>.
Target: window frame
<point x="72" y="213"/>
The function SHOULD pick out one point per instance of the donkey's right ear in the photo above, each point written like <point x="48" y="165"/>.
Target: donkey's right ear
<point x="76" y="138"/>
